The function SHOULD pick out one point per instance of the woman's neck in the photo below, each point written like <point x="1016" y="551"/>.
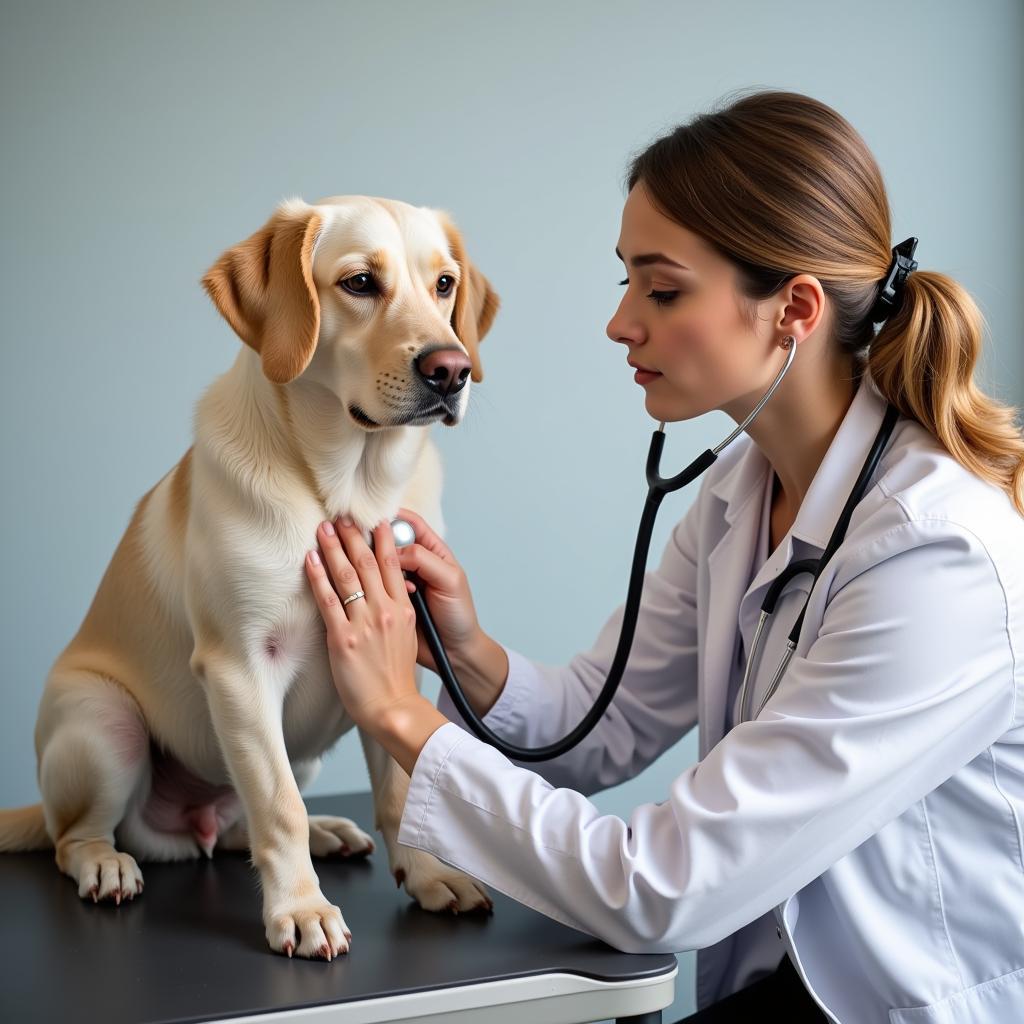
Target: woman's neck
<point x="797" y="424"/>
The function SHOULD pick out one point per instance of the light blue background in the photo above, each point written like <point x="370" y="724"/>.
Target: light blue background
<point x="142" y="139"/>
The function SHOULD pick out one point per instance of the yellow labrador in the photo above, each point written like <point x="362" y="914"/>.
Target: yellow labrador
<point x="196" y="698"/>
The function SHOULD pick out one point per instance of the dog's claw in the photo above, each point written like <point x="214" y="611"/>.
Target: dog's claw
<point x="289" y="948"/>
<point x="399" y="877"/>
<point x="453" y="906"/>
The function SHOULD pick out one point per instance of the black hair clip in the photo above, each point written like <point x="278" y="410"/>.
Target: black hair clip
<point x="890" y="291"/>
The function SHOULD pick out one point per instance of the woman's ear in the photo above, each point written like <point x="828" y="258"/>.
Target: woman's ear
<point x="804" y="307"/>
<point x="476" y="302"/>
<point x="264" y="288"/>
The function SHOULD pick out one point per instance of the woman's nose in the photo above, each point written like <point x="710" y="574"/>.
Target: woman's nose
<point x="620" y="330"/>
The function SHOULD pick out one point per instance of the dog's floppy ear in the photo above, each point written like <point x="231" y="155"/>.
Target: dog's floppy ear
<point x="476" y="302"/>
<point x="264" y="288"/>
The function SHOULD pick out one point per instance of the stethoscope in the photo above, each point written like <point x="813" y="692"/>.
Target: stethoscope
<point x="658" y="487"/>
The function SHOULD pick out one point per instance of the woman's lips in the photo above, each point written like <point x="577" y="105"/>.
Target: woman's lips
<point x="645" y="376"/>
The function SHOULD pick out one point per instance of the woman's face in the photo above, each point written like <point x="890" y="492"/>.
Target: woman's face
<point x="685" y="321"/>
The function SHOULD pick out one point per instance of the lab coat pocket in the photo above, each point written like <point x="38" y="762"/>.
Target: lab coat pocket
<point x="996" y="1000"/>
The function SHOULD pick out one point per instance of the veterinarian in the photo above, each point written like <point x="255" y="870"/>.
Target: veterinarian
<point x="852" y="851"/>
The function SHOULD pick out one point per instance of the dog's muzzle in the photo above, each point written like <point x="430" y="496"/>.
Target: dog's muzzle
<point x="440" y="376"/>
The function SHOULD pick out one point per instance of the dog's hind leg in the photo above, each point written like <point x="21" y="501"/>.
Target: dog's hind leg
<point x="433" y="884"/>
<point x="330" y="835"/>
<point x="93" y="757"/>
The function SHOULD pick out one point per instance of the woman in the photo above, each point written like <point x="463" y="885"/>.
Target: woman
<point x="854" y="847"/>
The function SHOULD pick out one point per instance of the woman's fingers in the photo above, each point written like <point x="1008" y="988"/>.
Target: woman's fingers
<point x="387" y="560"/>
<point x="430" y="568"/>
<point x="326" y="596"/>
<point x="349" y="564"/>
<point x="343" y="573"/>
<point x="358" y="559"/>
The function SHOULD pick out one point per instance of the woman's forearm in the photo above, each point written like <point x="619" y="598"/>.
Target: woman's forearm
<point x="403" y="730"/>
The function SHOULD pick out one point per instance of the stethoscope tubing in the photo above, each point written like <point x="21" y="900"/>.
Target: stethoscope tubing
<point x="814" y="567"/>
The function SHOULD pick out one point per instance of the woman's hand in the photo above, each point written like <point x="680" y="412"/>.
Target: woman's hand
<point x="371" y="641"/>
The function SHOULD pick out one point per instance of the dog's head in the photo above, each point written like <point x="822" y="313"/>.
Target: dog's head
<point x="373" y="298"/>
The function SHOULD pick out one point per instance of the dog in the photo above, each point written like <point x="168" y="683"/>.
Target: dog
<point x="196" y="700"/>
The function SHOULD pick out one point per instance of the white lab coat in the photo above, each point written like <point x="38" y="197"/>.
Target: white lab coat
<point x="872" y="812"/>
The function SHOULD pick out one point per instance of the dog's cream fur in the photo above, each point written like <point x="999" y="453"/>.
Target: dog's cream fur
<point x="196" y="698"/>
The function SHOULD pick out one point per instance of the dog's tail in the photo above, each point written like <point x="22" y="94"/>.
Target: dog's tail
<point x="24" y="828"/>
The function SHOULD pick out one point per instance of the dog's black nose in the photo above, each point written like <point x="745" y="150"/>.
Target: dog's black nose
<point x="445" y="370"/>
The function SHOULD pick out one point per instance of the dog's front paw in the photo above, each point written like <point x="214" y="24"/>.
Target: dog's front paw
<point x="308" y="926"/>
<point x="436" y="886"/>
<point x="337" y="837"/>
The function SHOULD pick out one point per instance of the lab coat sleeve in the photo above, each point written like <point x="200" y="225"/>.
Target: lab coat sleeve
<point x="911" y="675"/>
<point x="655" y="704"/>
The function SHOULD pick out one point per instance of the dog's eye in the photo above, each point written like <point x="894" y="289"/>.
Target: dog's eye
<point x="359" y="284"/>
<point x="446" y="288"/>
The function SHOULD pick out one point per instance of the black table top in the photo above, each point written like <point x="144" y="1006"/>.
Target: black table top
<point x="192" y="946"/>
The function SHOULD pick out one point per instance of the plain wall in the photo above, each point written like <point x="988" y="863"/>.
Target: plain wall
<point x="142" y="139"/>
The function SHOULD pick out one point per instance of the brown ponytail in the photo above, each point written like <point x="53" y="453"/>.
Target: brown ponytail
<point x="780" y="183"/>
<point x="925" y="356"/>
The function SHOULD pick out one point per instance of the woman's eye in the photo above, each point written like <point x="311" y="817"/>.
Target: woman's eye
<point x="445" y="289"/>
<point x="660" y="298"/>
<point x="359" y="284"/>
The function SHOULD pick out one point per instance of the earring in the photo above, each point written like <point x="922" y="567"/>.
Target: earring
<point x="787" y="342"/>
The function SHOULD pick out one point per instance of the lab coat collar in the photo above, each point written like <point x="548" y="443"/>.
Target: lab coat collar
<point x="832" y="483"/>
